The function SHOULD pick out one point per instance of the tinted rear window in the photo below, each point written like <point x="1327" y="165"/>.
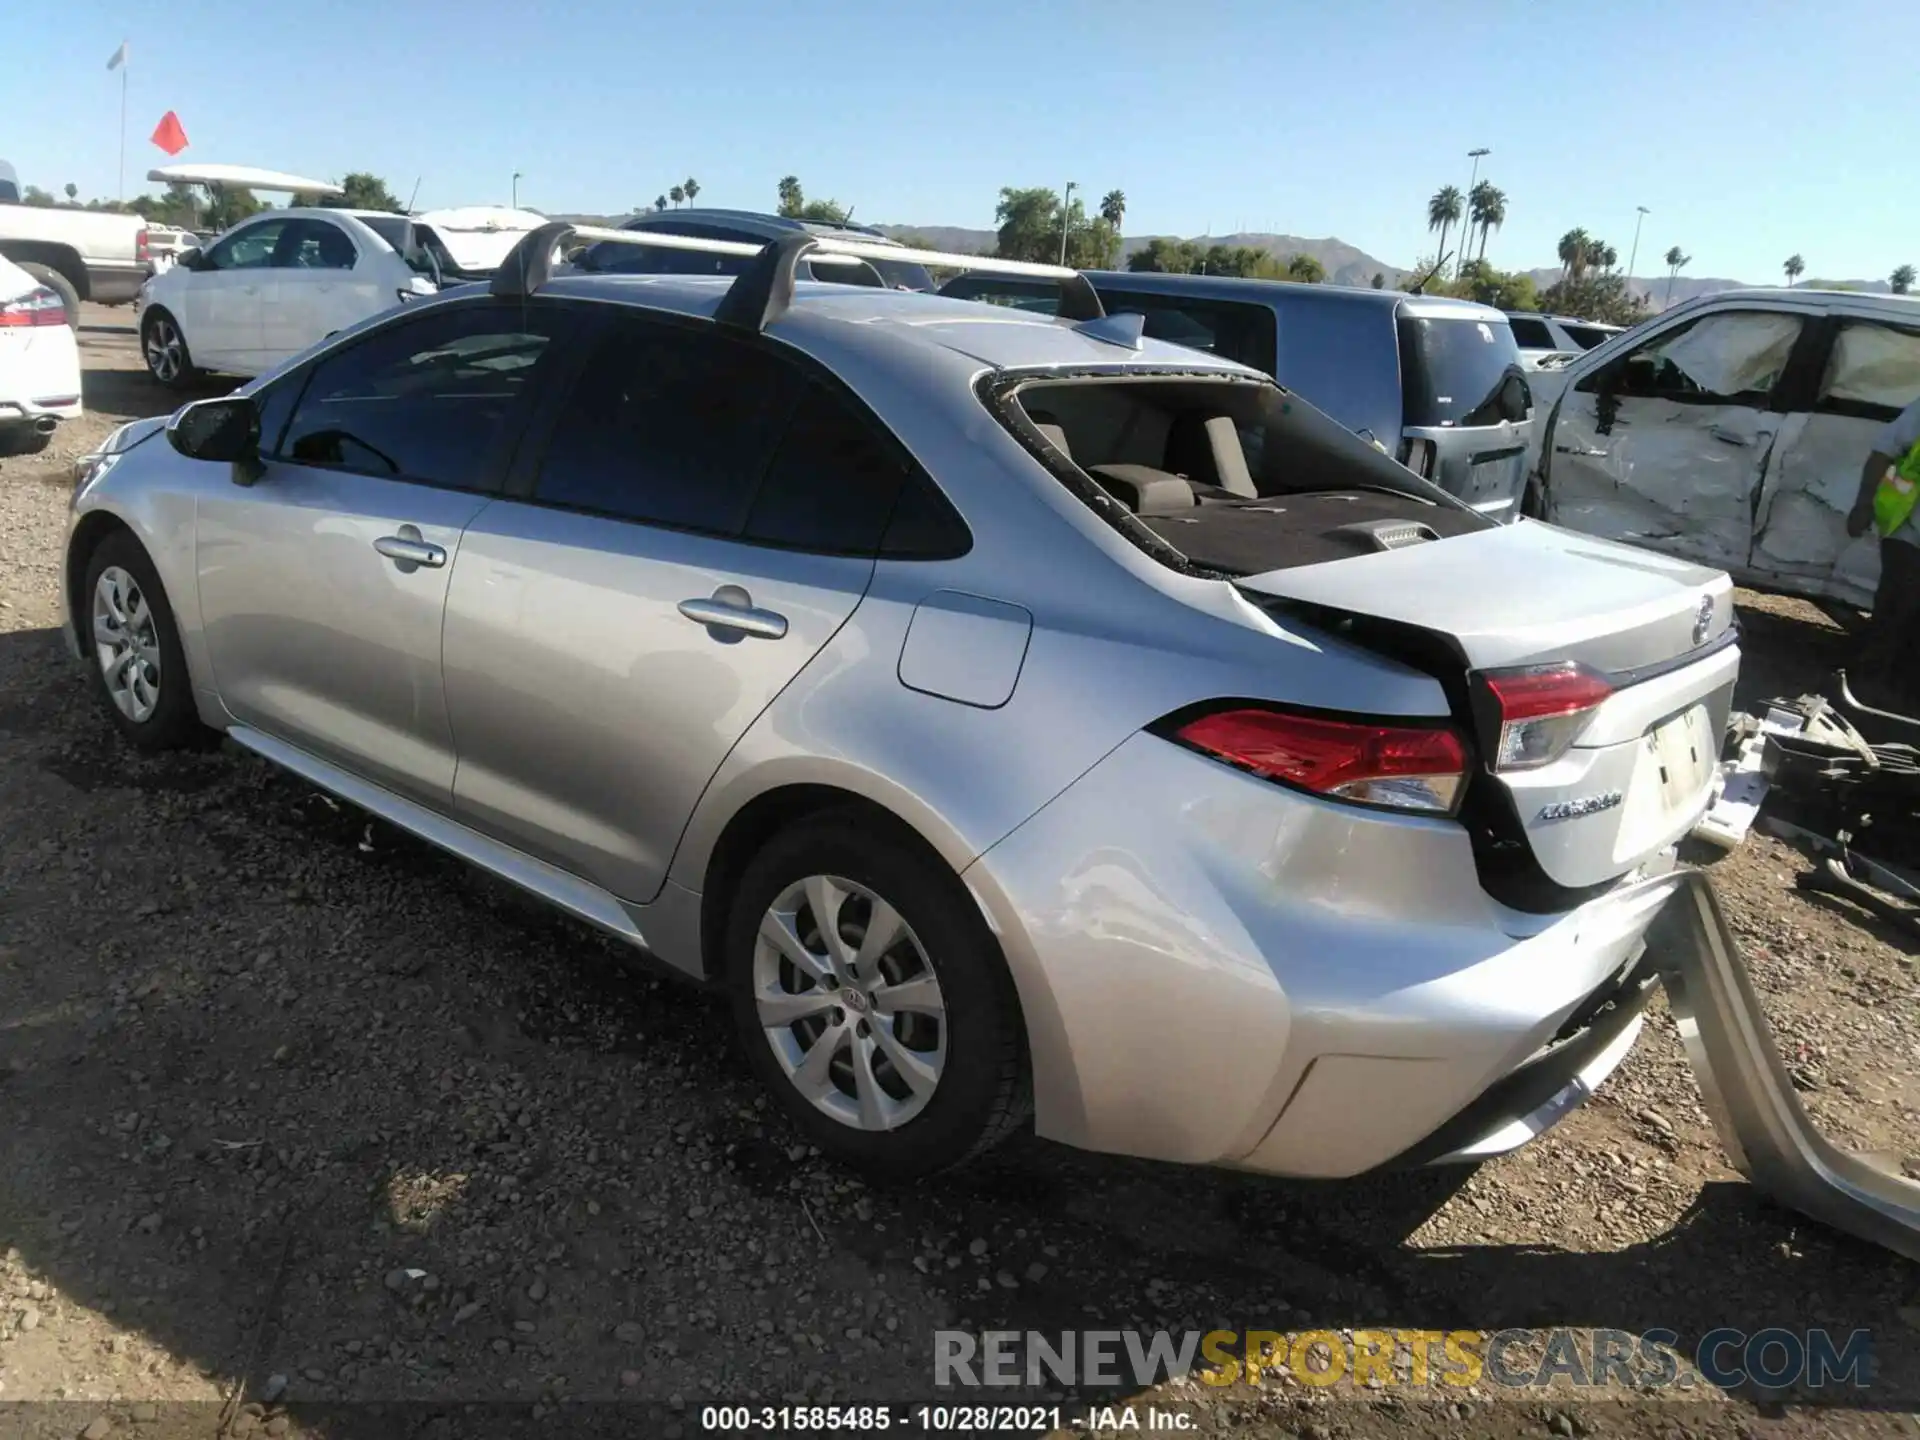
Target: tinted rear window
<point x="1460" y="372"/>
<point x="1531" y="334"/>
<point x="1586" y="336"/>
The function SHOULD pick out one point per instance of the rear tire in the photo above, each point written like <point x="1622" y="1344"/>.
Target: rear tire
<point x="163" y="345"/>
<point x="923" y="1065"/>
<point x="60" y="285"/>
<point x="138" y="666"/>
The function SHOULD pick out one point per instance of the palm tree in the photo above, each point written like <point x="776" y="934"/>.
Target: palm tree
<point x="1601" y="256"/>
<point x="73" y="192"/>
<point x="1572" y="251"/>
<point x="1795" y="267"/>
<point x="659" y="202"/>
<point x="1489" y="209"/>
<point x="676" y="194"/>
<point x="1305" y="268"/>
<point x="1113" y="208"/>
<point x="1901" y="280"/>
<point x="690" y="188"/>
<point x="791" y="197"/>
<point x="1675" y="258"/>
<point x="1443" y="212"/>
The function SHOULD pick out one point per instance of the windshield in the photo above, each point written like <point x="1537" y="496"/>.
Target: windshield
<point x="1462" y="371"/>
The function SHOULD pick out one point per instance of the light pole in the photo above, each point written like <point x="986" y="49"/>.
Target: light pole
<point x="1634" y="253"/>
<point x="1473" y="180"/>
<point x="1066" y="212"/>
<point x="516" y="190"/>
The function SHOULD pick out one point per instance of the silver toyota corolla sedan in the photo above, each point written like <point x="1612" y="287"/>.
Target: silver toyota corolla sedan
<point x="1014" y="716"/>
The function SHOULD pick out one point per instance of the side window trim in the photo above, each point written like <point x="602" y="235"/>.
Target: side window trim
<point x="536" y="434"/>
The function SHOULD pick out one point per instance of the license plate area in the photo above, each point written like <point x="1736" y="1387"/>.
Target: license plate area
<point x="1677" y="764"/>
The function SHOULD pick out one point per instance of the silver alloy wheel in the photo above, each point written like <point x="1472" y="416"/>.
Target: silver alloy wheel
<point x="166" y="351"/>
<point x="126" y="643"/>
<point x="850" y="1003"/>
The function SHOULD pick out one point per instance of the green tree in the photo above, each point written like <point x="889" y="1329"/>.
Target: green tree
<point x="1167" y="256"/>
<point x="676" y="195"/>
<point x="1379" y="281"/>
<point x="824" y="212"/>
<point x="1028" y="223"/>
<point x="1601" y="256"/>
<point x="1305" y="268"/>
<point x="659" y="202"/>
<point x="1113" y="208"/>
<point x="1487" y="210"/>
<point x="690" y="188"/>
<point x="1573" y="250"/>
<point x="1675" y="258"/>
<point x="73" y="192"/>
<point x="1443" y="213"/>
<point x="34" y="195"/>
<point x="361" y="190"/>
<point x="791" y="197"/>
<point x="1502" y="289"/>
<point x="228" y="205"/>
<point x="1901" y="281"/>
<point x="1794" y="267"/>
<point x="1598" y="296"/>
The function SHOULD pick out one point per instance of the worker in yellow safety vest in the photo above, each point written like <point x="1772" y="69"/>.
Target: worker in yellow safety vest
<point x="1889" y="487"/>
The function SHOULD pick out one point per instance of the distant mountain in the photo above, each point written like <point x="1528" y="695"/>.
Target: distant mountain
<point x="1345" y="264"/>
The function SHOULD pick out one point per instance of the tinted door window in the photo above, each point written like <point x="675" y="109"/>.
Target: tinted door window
<point x="1531" y="334"/>
<point x="1232" y="331"/>
<point x="314" y="245"/>
<point x="832" y="483"/>
<point x="1587" y="337"/>
<point x="435" y="399"/>
<point x="248" y="249"/>
<point x="670" y="425"/>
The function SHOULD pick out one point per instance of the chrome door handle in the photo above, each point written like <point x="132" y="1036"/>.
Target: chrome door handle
<point x="411" y="549"/>
<point x="730" y="613"/>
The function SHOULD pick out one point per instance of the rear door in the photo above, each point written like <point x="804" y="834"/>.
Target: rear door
<point x="323" y="585"/>
<point x="1666" y="445"/>
<point x="1869" y="373"/>
<point x="699" y="521"/>
<point x="1464" y="404"/>
<point x="225" y="303"/>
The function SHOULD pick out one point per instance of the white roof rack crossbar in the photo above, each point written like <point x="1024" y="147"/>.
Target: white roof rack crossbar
<point x="762" y="293"/>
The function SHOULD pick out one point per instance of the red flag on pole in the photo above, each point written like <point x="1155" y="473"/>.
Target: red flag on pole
<point x="169" y="134"/>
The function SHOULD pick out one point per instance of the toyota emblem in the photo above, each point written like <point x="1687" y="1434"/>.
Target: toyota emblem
<point x="1703" y="620"/>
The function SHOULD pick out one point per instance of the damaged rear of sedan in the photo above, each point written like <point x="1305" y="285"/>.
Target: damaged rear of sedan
<point x="1009" y="714"/>
<point x="1730" y="431"/>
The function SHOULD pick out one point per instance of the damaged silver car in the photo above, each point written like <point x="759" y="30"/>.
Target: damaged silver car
<point x="1731" y="431"/>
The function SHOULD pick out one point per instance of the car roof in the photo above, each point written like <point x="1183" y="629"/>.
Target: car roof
<point x="990" y="335"/>
<point x="1233" y="287"/>
<point x="1860" y="302"/>
<point x="756" y="222"/>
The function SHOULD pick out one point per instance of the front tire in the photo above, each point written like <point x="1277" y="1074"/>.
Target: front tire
<point x="139" y="668"/>
<point x="164" y="347"/>
<point x="871" y="999"/>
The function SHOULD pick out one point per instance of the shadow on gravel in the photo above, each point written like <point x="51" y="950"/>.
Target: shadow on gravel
<point x="285" y="1093"/>
<point x="135" y="393"/>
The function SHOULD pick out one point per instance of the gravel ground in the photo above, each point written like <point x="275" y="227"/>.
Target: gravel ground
<point x="298" y="1114"/>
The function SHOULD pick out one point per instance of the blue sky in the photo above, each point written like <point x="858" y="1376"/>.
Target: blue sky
<point x="1750" y="131"/>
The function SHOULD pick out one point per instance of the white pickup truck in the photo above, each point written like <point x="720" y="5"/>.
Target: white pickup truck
<point x="79" y="254"/>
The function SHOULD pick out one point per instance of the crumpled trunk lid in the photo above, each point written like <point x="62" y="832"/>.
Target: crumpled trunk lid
<point x="1640" y="772"/>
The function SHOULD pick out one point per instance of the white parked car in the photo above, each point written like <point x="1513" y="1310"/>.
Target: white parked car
<point x="470" y="241"/>
<point x="39" y="361"/>
<point x="275" y="284"/>
<point x="1548" y="341"/>
<point x="1730" y="431"/>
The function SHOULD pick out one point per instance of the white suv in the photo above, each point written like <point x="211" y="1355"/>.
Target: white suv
<point x="1549" y="340"/>
<point x="272" y="286"/>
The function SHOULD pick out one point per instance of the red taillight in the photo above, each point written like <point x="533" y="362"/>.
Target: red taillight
<point x="1400" y="766"/>
<point x="140" y="246"/>
<point x="39" y="306"/>
<point x="1542" y="709"/>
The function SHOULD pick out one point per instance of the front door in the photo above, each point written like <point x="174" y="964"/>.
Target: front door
<point x="225" y="302"/>
<point x="324" y="584"/>
<point x="702" y="521"/>
<point x="313" y="272"/>
<point x="1666" y="446"/>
